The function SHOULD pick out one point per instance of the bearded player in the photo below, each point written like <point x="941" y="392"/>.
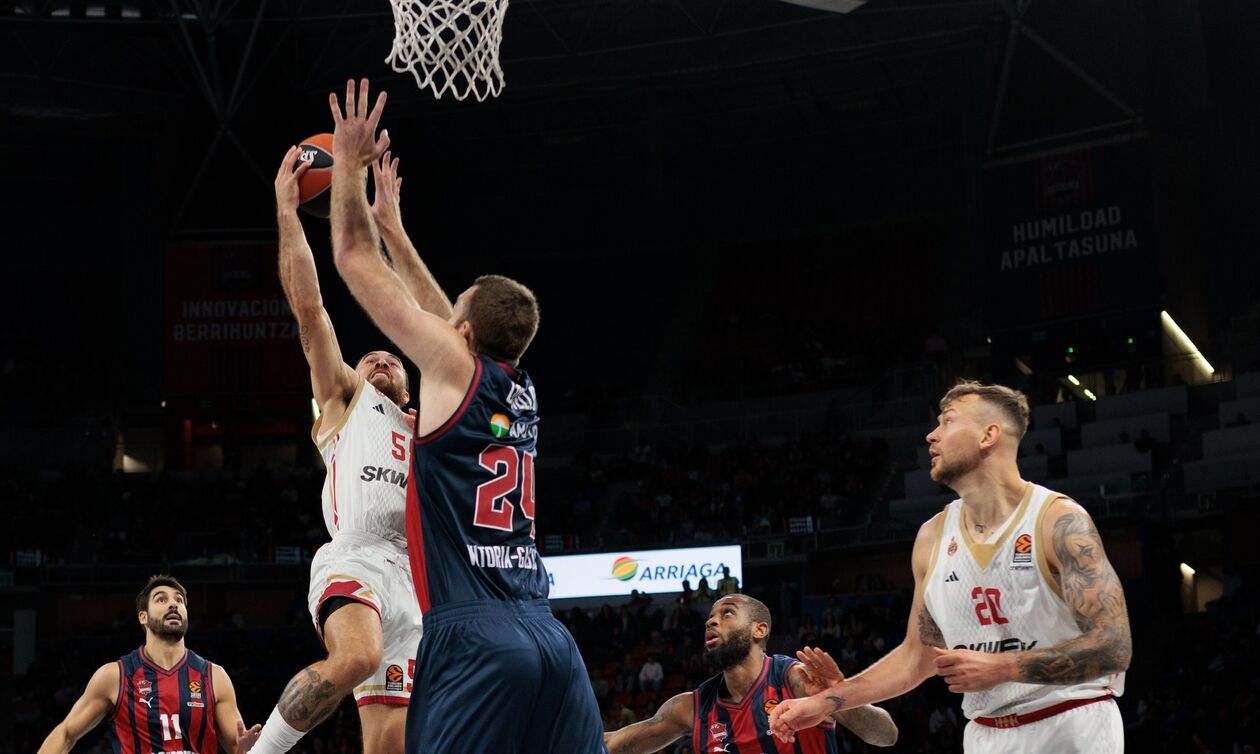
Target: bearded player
<point x="730" y="712"/>
<point x="361" y="597"/>
<point x="1015" y="605"/>
<point x="496" y="672"/>
<point x="161" y="697"/>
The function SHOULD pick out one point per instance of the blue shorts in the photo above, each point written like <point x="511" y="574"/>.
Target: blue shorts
<point x="501" y="678"/>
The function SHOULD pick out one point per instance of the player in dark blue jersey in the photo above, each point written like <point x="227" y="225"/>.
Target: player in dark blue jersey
<point x="495" y="671"/>
<point x="730" y="712"/>
<point x="161" y="697"/>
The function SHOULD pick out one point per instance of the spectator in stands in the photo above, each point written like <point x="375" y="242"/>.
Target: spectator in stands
<point x="704" y="594"/>
<point x="728" y="584"/>
<point x="687" y="594"/>
<point x="651" y="675"/>
<point x="807" y="634"/>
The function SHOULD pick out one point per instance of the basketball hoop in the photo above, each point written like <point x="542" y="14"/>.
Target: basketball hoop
<point x="450" y="45"/>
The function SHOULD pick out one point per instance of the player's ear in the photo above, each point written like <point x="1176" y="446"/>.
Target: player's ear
<point x="143" y="617"/>
<point x="760" y="631"/>
<point x="992" y="435"/>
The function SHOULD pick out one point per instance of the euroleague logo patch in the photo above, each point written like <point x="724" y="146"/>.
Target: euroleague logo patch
<point x="194" y="687"/>
<point x="1023" y="549"/>
<point x="770" y="705"/>
<point x="394" y="678"/>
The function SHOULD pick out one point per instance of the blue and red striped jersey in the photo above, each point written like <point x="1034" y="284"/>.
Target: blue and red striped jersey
<point x="470" y="496"/>
<point x="743" y="727"/>
<point x="160" y="710"/>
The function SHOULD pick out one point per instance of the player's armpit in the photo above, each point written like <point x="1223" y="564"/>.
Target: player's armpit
<point x="1093" y="593"/>
<point x="97" y="701"/>
<point x="670" y="723"/>
<point x="929" y="633"/>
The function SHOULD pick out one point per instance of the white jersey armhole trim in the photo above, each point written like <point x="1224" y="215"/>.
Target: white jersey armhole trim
<point x="322" y="439"/>
<point x="936" y="546"/>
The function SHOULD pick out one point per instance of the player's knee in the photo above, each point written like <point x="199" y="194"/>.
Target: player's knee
<point x="355" y="663"/>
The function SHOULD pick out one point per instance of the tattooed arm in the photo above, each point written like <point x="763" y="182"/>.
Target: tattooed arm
<point x="1092" y="592"/>
<point x="332" y="380"/>
<point x="871" y="724"/>
<point x="670" y="723"/>
<point x="902" y="669"/>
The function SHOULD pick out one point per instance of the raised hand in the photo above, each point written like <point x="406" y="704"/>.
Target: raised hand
<point x="386" y="209"/>
<point x="820" y="669"/>
<point x="354" y="136"/>
<point x="287" y="193"/>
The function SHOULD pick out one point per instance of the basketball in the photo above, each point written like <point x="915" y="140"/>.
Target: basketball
<point x="315" y="185"/>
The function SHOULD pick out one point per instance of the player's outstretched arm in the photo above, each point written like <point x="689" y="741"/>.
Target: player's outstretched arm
<point x="234" y="737"/>
<point x="670" y="723"/>
<point x="98" y="699"/>
<point x="817" y="671"/>
<point x="902" y="669"/>
<point x="332" y="380"/>
<point x="387" y="212"/>
<point x="430" y="342"/>
<point x="1091" y="590"/>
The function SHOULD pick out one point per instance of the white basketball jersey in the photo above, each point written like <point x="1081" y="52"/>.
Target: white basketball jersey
<point x="366" y="456"/>
<point x="1002" y="597"/>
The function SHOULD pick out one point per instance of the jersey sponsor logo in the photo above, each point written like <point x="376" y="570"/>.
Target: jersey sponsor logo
<point x="1023" y="549"/>
<point x="500" y="425"/>
<point x="503" y="556"/>
<point x="953" y="547"/>
<point x="624" y="568"/>
<point x="394" y="678"/>
<point x="195" y="703"/>
<point x="718" y="732"/>
<point x="382" y="474"/>
<point x="522" y="399"/>
<point x="1013" y="644"/>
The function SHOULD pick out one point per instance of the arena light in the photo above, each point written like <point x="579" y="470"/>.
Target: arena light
<point x="1187" y="571"/>
<point x="1090" y="394"/>
<point x="1183" y="341"/>
<point x="1072" y="379"/>
<point x="834" y="6"/>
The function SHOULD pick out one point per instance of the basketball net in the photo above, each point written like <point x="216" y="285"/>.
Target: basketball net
<point x="450" y="45"/>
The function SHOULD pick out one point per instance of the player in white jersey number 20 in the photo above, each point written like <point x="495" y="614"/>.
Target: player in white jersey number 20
<point x="1015" y="603"/>
<point x="361" y="596"/>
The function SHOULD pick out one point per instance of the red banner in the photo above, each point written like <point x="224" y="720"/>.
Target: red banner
<point x="228" y="328"/>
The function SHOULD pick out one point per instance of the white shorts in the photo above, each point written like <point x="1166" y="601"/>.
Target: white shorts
<point x="367" y="569"/>
<point x="1091" y="729"/>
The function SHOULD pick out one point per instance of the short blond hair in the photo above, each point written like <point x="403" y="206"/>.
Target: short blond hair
<point x="1012" y="403"/>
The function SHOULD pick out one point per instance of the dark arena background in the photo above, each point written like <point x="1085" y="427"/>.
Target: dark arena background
<point x="765" y="238"/>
